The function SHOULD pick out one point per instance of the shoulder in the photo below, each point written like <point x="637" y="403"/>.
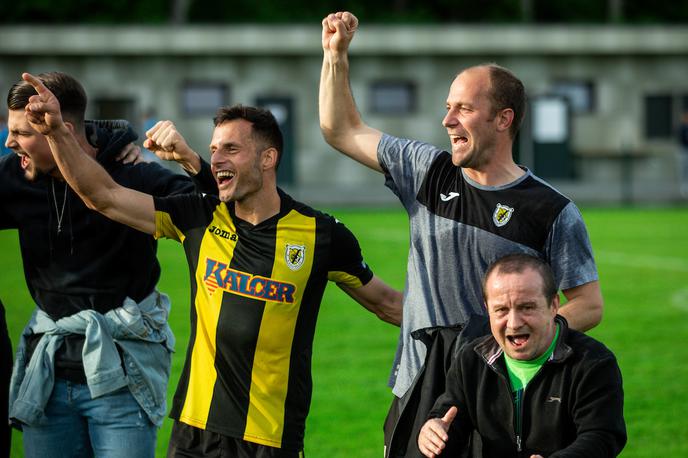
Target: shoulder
<point x="539" y="189"/>
<point x="412" y="151"/>
<point x="588" y="349"/>
<point x="322" y="219"/>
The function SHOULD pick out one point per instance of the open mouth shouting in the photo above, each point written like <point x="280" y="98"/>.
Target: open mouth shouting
<point x="25" y="160"/>
<point x="518" y="341"/>
<point x="224" y="177"/>
<point x="458" y="140"/>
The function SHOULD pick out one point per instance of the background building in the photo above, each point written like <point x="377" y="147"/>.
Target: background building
<point x="606" y="100"/>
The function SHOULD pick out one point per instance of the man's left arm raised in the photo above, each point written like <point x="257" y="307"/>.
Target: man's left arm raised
<point x="88" y="179"/>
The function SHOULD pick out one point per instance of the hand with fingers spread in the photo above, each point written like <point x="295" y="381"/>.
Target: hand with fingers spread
<point x="433" y="435"/>
<point x="168" y="144"/>
<point x="43" y="110"/>
<point x="338" y="31"/>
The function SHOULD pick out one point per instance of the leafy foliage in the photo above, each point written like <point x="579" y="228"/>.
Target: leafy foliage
<point x="307" y="11"/>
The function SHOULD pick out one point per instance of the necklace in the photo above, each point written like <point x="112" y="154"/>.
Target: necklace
<point x="59" y="215"/>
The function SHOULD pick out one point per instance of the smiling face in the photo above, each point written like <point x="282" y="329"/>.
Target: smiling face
<point x="31" y="146"/>
<point x="470" y="120"/>
<point x="236" y="160"/>
<point x="521" y="319"/>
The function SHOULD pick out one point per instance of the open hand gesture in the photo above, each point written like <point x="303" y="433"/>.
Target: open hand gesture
<point x="433" y="435"/>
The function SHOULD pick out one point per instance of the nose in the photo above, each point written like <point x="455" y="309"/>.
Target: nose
<point x="514" y="319"/>
<point x="450" y="119"/>
<point x="215" y="158"/>
<point x="9" y="141"/>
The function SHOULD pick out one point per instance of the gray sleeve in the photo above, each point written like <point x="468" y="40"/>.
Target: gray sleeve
<point x="569" y="251"/>
<point x="405" y="163"/>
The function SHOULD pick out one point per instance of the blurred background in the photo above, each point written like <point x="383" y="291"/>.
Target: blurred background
<point x="608" y="88"/>
<point x="607" y="79"/>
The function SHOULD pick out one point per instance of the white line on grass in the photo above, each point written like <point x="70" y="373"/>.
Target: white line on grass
<point x="642" y="261"/>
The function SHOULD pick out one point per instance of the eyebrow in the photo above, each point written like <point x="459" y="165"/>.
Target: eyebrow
<point x="225" y="145"/>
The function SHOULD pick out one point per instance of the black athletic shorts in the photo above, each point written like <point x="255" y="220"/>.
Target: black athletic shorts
<point x="189" y="442"/>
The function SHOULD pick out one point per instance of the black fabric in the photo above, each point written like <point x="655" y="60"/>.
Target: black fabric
<point x="5" y="373"/>
<point x="572" y="407"/>
<point x="189" y="442"/>
<point x="204" y="179"/>
<point x="92" y="262"/>
<point x="408" y="414"/>
<point x="535" y="206"/>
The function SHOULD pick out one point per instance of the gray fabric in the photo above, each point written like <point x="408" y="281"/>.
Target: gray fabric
<point x="447" y="258"/>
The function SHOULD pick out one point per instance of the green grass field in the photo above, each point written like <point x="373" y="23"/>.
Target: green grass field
<point x="642" y="256"/>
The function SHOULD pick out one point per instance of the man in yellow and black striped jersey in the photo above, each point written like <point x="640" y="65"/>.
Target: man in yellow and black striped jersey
<point x="259" y="263"/>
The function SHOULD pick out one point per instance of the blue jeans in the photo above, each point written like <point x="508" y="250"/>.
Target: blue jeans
<point x="76" y="426"/>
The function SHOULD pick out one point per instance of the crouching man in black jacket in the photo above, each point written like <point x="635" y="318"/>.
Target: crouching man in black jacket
<point x="533" y="387"/>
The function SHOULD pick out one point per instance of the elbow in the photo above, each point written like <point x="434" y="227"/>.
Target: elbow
<point x="596" y="312"/>
<point x="100" y="207"/>
<point x="330" y="134"/>
<point x="591" y="316"/>
<point x="100" y="202"/>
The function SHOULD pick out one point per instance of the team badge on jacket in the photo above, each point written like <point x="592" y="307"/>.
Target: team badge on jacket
<point x="294" y="255"/>
<point x="502" y="215"/>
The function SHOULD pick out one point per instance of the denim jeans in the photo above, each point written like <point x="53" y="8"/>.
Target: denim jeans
<point x="76" y="426"/>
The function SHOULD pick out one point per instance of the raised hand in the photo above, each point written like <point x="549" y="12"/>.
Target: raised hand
<point x="433" y="435"/>
<point x="166" y="142"/>
<point x="338" y="31"/>
<point x="43" y="110"/>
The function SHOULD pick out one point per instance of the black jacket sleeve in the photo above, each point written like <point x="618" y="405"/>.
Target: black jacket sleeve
<point x="204" y="179"/>
<point x="454" y="395"/>
<point x="598" y="413"/>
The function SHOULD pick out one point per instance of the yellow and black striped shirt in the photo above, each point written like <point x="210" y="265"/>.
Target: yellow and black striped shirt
<point x="255" y="294"/>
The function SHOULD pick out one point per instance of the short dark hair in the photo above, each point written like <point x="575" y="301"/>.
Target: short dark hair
<point x="264" y="125"/>
<point x="507" y="91"/>
<point x="69" y="92"/>
<point x="519" y="262"/>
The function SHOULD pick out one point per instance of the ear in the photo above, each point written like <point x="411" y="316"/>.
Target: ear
<point x="504" y="119"/>
<point x="269" y="158"/>
<point x="70" y="126"/>
<point x="555" y="304"/>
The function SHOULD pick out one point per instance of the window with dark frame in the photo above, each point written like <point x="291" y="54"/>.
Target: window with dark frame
<point x="580" y="94"/>
<point x="203" y="98"/>
<point x="659" y="116"/>
<point x="393" y="97"/>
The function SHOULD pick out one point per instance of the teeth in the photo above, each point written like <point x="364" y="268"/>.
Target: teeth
<point x="518" y="339"/>
<point x="225" y="174"/>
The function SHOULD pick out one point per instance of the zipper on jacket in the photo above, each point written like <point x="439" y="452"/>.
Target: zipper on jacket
<point x="518" y="407"/>
<point x="517" y="410"/>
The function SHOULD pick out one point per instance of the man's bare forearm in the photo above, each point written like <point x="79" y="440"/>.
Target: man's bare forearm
<point x="83" y="173"/>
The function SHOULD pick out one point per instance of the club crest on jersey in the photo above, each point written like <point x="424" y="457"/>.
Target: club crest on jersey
<point x="295" y="255"/>
<point x="502" y="215"/>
